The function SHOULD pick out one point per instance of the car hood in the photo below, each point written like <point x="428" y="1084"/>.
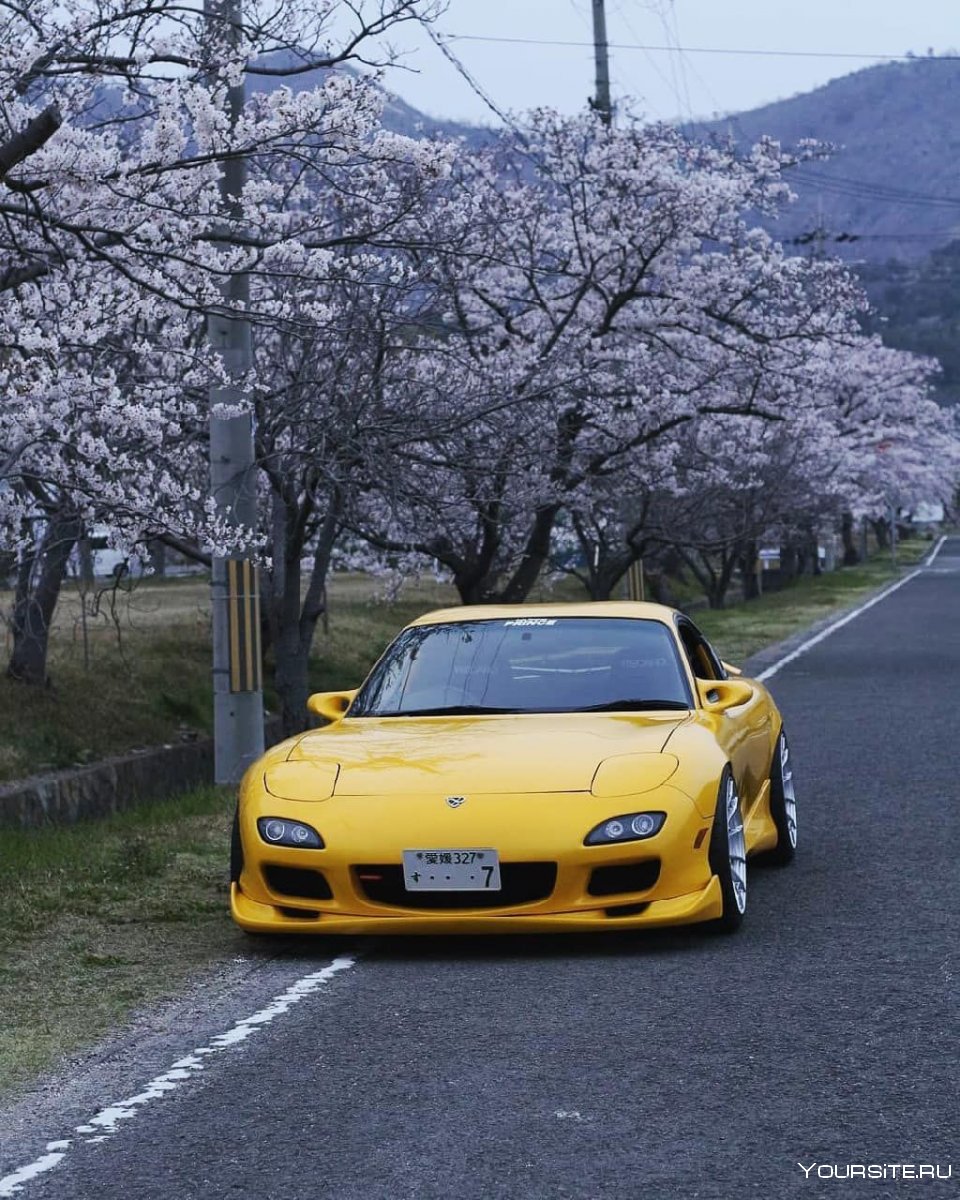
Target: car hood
<point x="556" y="752"/>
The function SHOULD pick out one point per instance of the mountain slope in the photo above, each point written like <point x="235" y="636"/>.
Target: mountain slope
<point x="894" y="180"/>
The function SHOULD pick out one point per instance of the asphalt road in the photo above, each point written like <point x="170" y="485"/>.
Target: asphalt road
<point x="670" y="1065"/>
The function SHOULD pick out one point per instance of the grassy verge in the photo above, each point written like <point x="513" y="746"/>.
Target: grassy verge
<point x="132" y="670"/>
<point x="136" y="672"/>
<point x="103" y="917"/>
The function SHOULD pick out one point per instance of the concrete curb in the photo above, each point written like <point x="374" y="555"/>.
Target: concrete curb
<point x="111" y="786"/>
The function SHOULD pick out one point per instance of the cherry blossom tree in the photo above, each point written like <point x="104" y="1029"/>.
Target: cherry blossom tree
<point x="116" y="121"/>
<point x="604" y="289"/>
<point x="455" y="352"/>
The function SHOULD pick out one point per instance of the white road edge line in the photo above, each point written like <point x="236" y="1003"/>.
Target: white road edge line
<point x="935" y="551"/>
<point x="107" y="1121"/>
<point x="845" y="620"/>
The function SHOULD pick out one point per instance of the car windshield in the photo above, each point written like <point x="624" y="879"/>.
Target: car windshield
<point x="526" y="665"/>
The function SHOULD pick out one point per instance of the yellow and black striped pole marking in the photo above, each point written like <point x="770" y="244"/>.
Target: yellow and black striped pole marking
<point x="243" y="611"/>
<point x="635" y="581"/>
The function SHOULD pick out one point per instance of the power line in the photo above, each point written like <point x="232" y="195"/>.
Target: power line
<point x="440" y="41"/>
<point x="668" y="21"/>
<point x="476" y="37"/>
<point x="621" y="16"/>
<point x="671" y="83"/>
<point x="866" y="190"/>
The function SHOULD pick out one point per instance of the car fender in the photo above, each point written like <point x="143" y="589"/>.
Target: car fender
<point x="701" y="764"/>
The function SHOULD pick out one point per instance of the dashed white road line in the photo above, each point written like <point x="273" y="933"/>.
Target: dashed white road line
<point x="847" y="617"/>
<point x="107" y="1120"/>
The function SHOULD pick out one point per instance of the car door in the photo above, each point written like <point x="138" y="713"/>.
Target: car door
<point x="743" y="732"/>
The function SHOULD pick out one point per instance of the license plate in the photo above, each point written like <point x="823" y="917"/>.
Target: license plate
<point x="451" y="870"/>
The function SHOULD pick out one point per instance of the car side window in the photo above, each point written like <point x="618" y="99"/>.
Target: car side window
<point x="703" y="662"/>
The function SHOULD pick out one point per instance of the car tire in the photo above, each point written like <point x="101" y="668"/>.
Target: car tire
<point x="783" y="805"/>
<point x="728" y="855"/>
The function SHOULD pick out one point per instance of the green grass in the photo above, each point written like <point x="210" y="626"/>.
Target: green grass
<point x="140" y="674"/>
<point x="136" y="673"/>
<point x="100" y="918"/>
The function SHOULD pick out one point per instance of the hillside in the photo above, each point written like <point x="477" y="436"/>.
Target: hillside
<point x="892" y="188"/>
<point x="887" y="200"/>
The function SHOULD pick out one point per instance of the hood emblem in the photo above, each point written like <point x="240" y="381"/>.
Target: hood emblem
<point x="456" y="801"/>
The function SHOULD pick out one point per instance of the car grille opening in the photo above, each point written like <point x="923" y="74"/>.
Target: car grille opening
<point x="624" y="877"/>
<point x="627" y="910"/>
<point x="521" y="883"/>
<point x="299" y="914"/>
<point x="297" y="881"/>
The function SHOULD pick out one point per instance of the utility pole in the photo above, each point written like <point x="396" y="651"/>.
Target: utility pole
<point x="237" y="688"/>
<point x="601" y="103"/>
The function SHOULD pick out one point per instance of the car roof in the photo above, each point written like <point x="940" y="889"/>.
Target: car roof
<point x="634" y="609"/>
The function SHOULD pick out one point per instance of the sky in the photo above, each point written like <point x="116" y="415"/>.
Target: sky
<point x="663" y="83"/>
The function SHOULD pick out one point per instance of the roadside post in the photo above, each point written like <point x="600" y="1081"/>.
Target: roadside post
<point x="237" y="686"/>
<point x="636" y="585"/>
<point x="893" y="534"/>
<point x="237" y="683"/>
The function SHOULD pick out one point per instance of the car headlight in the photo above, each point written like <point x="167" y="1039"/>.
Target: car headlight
<point x="631" y="827"/>
<point x="278" y="831"/>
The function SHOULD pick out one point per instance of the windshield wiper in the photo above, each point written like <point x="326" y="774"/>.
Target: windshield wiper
<point x="452" y="710"/>
<point x="636" y="706"/>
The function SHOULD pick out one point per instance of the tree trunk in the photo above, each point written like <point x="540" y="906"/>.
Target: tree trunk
<point x="535" y="554"/>
<point x="748" y="571"/>
<point x="8" y="565"/>
<point x="789" y="565"/>
<point x="811" y="549"/>
<point x="291" y="682"/>
<point x="604" y="567"/>
<point x="469" y="584"/>
<point x="293" y="623"/>
<point x="658" y="584"/>
<point x="85" y="555"/>
<point x="851" y="555"/>
<point x="39" y="580"/>
<point x="717" y="594"/>
<point x="157" y="552"/>
<point x="881" y="529"/>
<point x="711" y="584"/>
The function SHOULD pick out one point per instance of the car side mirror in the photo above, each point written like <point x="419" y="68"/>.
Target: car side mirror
<point x="717" y="695"/>
<point x="731" y="669"/>
<point x="332" y="706"/>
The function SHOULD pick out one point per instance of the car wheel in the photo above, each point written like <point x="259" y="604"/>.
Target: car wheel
<point x="728" y="855"/>
<point x="783" y="804"/>
<point x="236" y="849"/>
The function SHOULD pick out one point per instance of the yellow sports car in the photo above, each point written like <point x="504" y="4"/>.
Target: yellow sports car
<point x="535" y="768"/>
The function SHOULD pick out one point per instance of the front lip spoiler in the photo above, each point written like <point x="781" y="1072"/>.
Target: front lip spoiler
<point x="689" y="909"/>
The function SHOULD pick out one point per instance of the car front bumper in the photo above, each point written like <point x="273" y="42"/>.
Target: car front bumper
<point x="540" y="832"/>
<point x="689" y="909"/>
